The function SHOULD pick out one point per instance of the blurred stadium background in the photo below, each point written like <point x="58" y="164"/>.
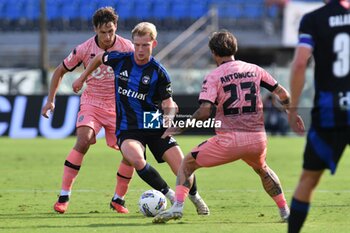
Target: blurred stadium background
<point x="36" y="35"/>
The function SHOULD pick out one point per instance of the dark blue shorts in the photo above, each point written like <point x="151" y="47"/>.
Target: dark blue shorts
<point x="151" y="138"/>
<point x="324" y="148"/>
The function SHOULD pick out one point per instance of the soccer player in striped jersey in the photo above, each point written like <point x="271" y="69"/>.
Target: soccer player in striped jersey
<point x="234" y="88"/>
<point x="325" y="35"/>
<point x="97" y="105"/>
<point x="143" y="88"/>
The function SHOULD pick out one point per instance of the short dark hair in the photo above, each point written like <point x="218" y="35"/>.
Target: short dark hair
<point x="223" y="43"/>
<point x="104" y="15"/>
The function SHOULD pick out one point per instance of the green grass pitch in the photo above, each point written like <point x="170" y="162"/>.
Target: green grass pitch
<point x="30" y="179"/>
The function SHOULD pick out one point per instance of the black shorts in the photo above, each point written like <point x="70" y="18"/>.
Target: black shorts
<point x="324" y="148"/>
<point x="151" y="138"/>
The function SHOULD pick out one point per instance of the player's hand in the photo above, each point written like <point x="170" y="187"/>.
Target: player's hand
<point x="167" y="120"/>
<point x="172" y="131"/>
<point x="48" y="107"/>
<point x="77" y="85"/>
<point x="296" y="123"/>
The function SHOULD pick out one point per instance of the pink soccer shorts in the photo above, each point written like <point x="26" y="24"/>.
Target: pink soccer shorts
<point x="212" y="153"/>
<point x="96" y="118"/>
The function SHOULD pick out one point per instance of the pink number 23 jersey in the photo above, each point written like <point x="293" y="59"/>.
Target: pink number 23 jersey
<point x="235" y="88"/>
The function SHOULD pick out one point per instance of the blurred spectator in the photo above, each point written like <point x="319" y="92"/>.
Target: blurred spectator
<point x="274" y="10"/>
<point x="276" y="121"/>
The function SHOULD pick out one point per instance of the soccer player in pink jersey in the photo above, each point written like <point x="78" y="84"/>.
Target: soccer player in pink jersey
<point x="234" y="88"/>
<point x="97" y="105"/>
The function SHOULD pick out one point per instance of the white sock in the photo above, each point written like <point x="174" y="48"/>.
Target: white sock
<point x="179" y="204"/>
<point x="65" y="193"/>
<point x="116" y="196"/>
<point x="170" y="194"/>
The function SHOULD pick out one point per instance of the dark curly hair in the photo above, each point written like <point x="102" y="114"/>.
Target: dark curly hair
<point x="104" y="15"/>
<point x="223" y="43"/>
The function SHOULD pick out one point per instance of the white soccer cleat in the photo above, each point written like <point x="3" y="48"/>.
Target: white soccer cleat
<point x="175" y="213"/>
<point x="284" y="213"/>
<point x="201" y="207"/>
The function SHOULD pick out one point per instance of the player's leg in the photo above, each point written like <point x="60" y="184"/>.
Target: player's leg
<point x="183" y="184"/>
<point x="185" y="179"/>
<point x="125" y="170"/>
<point x="207" y="154"/>
<point x="273" y="188"/>
<point x="302" y="198"/>
<point x="124" y="175"/>
<point x="134" y="152"/>
<point x="85" y="137"/>
<point x="323" y="151"/>
<point x="174" y="156"/>
<point x="87" y="128"/>
<point x="255" y="156"/>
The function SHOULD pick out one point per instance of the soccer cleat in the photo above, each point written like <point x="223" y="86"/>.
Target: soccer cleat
<point x="119" y="206"/>
<point x="202" y="208"/>
<point x="284" y="213"/>
<point x="175" y="213"/>
<point x="61" y="205"/>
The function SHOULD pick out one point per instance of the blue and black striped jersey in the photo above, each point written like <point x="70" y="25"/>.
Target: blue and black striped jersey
<point x="138" y="89"/>
<point x="327" y="31"/>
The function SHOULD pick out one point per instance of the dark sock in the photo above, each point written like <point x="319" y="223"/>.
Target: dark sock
<point x="193" y="189"/>
<point x="153" y="178"/>
<point x="298" y="214"/>
<point x="63" y="199"/>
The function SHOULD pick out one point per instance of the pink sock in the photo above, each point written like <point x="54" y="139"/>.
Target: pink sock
<point x="124" y="175"/>
<point x="69" y="174"/>
<point x="181" y="193"/>
<point x="280" y="200"/>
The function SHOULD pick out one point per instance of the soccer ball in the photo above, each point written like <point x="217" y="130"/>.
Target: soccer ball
<point x="152" y="202"/>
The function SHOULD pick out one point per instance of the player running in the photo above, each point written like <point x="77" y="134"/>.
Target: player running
<point x="234" y="88"/>
<point x="97" y="105"/>
<point x="142" y="86"/>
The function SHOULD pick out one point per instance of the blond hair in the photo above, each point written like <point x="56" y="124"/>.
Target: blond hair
<point x="144" y="28"/>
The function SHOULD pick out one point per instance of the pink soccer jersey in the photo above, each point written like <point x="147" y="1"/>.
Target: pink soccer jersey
<point x="235" y="88"/>
<point x="100" y="84"/>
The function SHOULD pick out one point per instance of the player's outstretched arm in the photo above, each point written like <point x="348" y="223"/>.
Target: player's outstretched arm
<point x="54" y="84"/>
<point x="297" y="80"/>
<point x="297" y="76"/>
<point x="295" y="121"/>
<point x="202" y="113"/>
<point x="95" y="62"/>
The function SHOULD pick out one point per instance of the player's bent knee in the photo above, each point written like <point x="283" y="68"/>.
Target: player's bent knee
<point x="82" y="145"/>
<point x="138" y="163"/>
